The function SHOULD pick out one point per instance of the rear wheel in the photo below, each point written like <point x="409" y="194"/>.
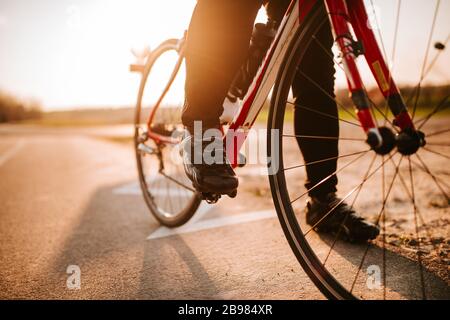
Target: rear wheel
<point x="406" y="195"/>
<point x="166" y="189"/>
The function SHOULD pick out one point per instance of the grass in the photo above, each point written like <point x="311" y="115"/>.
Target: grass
<point x="109" y="116"/>
<point x="289" y="114"/>
<point x="84" y="118"/>
<point x="117" y="139"/>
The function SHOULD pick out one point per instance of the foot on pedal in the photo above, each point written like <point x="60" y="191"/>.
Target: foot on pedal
<point x="211" y="180"/>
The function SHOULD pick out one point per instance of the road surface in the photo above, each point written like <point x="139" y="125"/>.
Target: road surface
<point x="70" y="201"/>
<point x="68" y="198"/>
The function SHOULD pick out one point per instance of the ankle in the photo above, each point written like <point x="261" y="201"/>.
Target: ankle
<point x="323" y="197"/>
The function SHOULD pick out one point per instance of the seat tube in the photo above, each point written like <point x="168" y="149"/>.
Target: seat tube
<point x="338" y="15"/>
<point x="377" y="64"/>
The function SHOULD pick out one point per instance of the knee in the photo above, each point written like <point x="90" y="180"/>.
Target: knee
<point x="276" y="9"/>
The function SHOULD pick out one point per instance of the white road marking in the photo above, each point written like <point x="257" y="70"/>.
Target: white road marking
<point x="162" y="232"/>
<point x="197" y="223"/>
<point x="11" y="151"/>
<point x="135" y="189"/>
<point x="132" y="188"/>
<point x="202" y="210"/>
<point x="253" y="171"/>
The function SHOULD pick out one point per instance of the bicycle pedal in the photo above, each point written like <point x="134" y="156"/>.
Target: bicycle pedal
<point x="242" y="161"/>
<point x="144" y="149"/>
<point x="143" y="137"/>
<point x="233" y="194"/>
<point x="210" y="198"/>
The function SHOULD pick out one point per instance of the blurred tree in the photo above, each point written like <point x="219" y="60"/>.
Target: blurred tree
<point x="13" y="109"/>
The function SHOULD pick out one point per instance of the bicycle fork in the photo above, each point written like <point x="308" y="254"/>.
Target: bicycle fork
<point x="342" y="14"/>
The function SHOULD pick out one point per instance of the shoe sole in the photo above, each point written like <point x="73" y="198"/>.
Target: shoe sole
<point x="228" y="192"/>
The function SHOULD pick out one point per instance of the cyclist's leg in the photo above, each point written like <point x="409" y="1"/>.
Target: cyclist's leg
<point x="218" y="41"/>
<point x="318" y="94"/>
<point x="217" y="44"/>
<point x="276" y="9"/>
<point x="319" y="67"/>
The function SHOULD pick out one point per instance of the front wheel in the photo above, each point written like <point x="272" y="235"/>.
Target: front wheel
<point x="406" y="195"/>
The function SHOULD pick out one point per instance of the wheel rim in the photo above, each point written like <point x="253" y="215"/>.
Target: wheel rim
<point x="409" y="258"/>
<point x="166" y="189"/>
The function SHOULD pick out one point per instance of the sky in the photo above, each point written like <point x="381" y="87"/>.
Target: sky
<point x="76" y="53"/>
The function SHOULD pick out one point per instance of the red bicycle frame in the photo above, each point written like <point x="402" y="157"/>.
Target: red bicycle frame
<point x="341" y="12"/>
<point x="344" y="15"/>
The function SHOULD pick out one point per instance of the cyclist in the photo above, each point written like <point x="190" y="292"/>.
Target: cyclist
<point x="217" y="45"/>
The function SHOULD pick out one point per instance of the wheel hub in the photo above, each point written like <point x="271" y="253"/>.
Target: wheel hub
<point x="387" y="142"/>
<point x="409" y="141"/>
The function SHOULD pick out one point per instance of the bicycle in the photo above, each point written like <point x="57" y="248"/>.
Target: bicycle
<point x="405" y="139"/>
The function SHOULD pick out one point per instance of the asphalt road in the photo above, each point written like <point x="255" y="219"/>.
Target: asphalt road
<point x="70" y="198"/>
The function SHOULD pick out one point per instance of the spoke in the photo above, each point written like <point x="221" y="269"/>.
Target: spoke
<point x="176" y="181"/>
<point x="431" y="65"/>
<point x="384" y="114"/>
<point x="379" y="31"/>
<point x="171" y="80"/>
<point x="169" y="192"/>
<point x="421" y="167"/>
<point x="321" y="137"/>
<point x="386" y="119"/>
<point x="425" y="60"/>
<point x="329" y="176"/>
<point x="438" y="133"/>
<point x="377" y="223"/>
<point x="318" y="86"/>
<point x="177" y="197"/>
<point x="184" y="194"/>
<point x="327" y="94"/>
<point x="342" y="68"/>
<point x="324" y="160"/>
<point x="419" y="214"/>
<point x="427" y="170"/>
<point x="345" y="197"/>
<point x="419" y="253"/>
<point x="169" y="196"/>
<point x="438" y="144"/>
<point x="405" y="186"/>
<point x="155" y="184"/>
<point x="383" y="192"/>
<point x="413" y="92"/>
<point x="436" y="152"/>
<point x="394" y="44"/>
<point x="323" y="114"/>
<point x="152" y="184"/>
<point x="351" y="207"/>
<point x="161" y="199"/>
<point x="166" y="199"/>
<point x="327" y="52"/>
<point x="440" y="107"/>
<point x="180" y="191"/>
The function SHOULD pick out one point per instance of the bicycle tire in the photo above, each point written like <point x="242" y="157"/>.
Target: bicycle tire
<point x="323" y="280"/>
<point x="191" y="207"/>
<point x="309" y="247"/>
